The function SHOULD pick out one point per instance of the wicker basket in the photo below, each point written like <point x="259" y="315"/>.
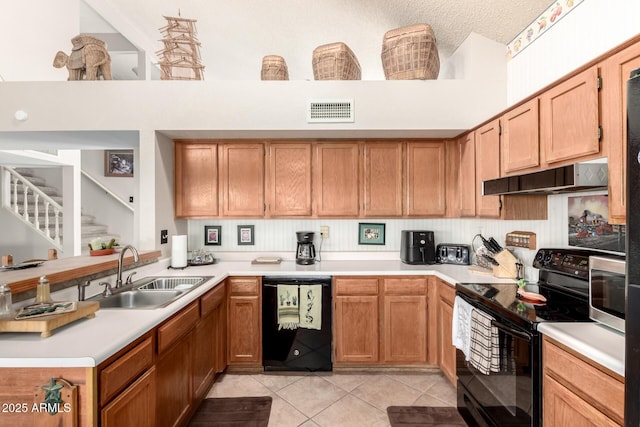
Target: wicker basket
<point x="335" y="61"/>
<point x="274" y="67"/>
<point x="410" y="53"/>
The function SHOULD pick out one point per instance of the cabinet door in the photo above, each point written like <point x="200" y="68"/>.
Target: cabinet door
<point x="569" y="119"/>
<point x="135" y="406"/>
<point x="335" y="184"/>
<point x="174" y="391"/>
<point x="382" y="179"/>
<point x="196" y="180"/>
<point x="446" y="350"/>
<point x="242" y="180"/>
<point x="289" y="183"/>
<point x="615" y="73"/>
<point x="467" y="180"/>
<point x="356" y="338"/>
<point x="405" y="328"/>
<point x="244" y="323"/>
<point x="204" y="363"/>
<point x="563" y="408"/>
<point x="426" y="179"/>
<point x="487" y="167"/>
<point x="520" y="138"/>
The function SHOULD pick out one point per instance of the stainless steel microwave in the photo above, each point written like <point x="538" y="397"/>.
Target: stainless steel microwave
<point x="607" y="291"/>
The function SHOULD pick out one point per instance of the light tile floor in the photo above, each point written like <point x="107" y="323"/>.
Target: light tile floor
<point x="337" y="399"/>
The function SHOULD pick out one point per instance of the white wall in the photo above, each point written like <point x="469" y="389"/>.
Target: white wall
<point x="32" y="31"/>
<point x="591" y="29"/>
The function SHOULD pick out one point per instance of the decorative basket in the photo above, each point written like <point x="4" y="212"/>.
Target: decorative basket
<point x="410" y="53"/>
<point x="335" y="61"/>
<point x="274" y="67"/>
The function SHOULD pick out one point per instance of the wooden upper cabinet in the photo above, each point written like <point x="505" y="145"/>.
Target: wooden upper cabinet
<point x="615" y="73"/>
<point x="520" y="138"/>
<point x="382" y="179"/>
<point x="289" y="179"/>
<point x="569" y="119"/>
<point x="467" y="175"/>
<point x="335" y="182"/>
<point x="242" y="179"/>
<point x="196" y="179"/>
<point x="426" y="178"/>
<point x="487" y="167"/>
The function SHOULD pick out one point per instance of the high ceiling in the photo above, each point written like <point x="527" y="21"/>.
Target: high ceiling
<point x="236" y="34"/>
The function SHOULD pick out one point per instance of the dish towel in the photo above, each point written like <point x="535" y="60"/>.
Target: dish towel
<point x="288" y="312"/>
<point x="311" y="306"/>
<point x="485" y="344"/>
<point x="461" y="325"/>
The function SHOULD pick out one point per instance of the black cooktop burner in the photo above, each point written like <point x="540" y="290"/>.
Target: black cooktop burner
<point x="503" y="298"/>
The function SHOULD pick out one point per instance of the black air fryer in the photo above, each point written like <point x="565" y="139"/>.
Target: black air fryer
<point x="417" y="247"/>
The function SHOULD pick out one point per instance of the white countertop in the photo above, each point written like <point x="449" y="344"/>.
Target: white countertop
<point x="599" y="343"/>
<point x="88" y="342"/>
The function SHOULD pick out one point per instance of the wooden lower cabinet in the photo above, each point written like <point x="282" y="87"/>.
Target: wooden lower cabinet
<point x="577" y="391"/>
<point x="381" y="321"/>
<point x="446" y="349"/>
<point x="209" y="355"/>
<point x="404" y="320"/>
<point x="136" y="406"/>
<point x="244" y="322"/>
<point x="356" y="326"/>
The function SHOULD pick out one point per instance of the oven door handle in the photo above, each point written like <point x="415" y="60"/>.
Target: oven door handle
<point x="508" y="330"/>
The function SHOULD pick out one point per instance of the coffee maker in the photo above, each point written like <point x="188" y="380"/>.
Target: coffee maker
<point x="417" y="247"/>
<point x="306" y="251"/>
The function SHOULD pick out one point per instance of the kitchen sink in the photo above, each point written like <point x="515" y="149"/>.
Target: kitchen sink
<point x="150" y="292"/>
<point x="140" y="299"/>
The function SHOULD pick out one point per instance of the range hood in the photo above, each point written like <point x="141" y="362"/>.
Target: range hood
<point x="565" y="179"/>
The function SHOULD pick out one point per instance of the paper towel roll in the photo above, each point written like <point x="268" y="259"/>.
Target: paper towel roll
<point x="179" y="251"/>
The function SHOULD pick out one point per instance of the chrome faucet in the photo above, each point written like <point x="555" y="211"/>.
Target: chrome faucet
<point x="136" y="258"/>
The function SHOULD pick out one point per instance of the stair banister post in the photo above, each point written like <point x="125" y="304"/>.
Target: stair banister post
<point x="46" y="218"/>
<point x="25" y="214"/>
<point x="36" y="217"/>
<point x="14" y="193"/>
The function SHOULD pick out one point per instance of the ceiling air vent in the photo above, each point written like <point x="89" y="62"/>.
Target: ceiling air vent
<point x="330" y="111"/>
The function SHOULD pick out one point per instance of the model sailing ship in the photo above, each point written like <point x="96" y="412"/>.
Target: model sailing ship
<point x="180" y="58"/>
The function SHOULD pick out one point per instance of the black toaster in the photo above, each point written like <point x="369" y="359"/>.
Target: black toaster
<point x="450" y="253"/>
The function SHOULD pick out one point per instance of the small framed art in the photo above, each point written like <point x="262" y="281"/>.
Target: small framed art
<point x="370" y="234"/>
<point x="118" y="163"/>
<point x="245" y="235"/>
<point x="212" y="235"/>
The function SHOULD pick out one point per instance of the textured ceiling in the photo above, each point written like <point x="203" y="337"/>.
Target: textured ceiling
<point x="236" y="34"/>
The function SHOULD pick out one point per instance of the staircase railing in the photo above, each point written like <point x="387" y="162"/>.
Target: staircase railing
<point x="106" y="190"/>
<point x="14" y="183"/>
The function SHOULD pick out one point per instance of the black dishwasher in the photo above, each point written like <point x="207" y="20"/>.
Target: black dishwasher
<point x="304" y="344"/>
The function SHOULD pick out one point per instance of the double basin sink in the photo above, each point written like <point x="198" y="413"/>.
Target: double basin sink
<point x="150" y="292"/>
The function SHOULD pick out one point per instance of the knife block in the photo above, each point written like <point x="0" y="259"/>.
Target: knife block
<point x="507" y="268"/>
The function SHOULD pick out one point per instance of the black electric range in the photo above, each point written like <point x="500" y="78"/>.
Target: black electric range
<point x="513" y="396"/>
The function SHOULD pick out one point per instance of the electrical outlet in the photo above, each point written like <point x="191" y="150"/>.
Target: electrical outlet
<point x="164" y="236"/>
<point x="324" y="231"/>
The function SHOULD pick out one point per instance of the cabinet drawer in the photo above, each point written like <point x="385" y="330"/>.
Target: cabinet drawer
<point x="405" y="286"/>
<point x="595" y="386"/>
<point x="356" y="286"/>
<point x="180" y="324"/>
<point x="244" y="286"/>
<point x="211" y="300"/>
<point x="115" y="377"/>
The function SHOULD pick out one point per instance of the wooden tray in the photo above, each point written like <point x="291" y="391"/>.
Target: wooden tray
<point x="45" y="325"/>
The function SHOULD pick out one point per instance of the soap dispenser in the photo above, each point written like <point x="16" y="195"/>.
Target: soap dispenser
<point x="6" y="306"/>
<point x="43" y="292"/>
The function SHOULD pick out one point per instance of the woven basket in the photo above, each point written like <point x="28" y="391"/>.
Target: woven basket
<point x="335" y="61"/>
<point x="274" y="67"/>
<point x="410" y="53"/>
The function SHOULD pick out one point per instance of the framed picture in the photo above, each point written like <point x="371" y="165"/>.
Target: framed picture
<point x="212" y="235"/>
<point x="118" y="163"/>
<point x="370" y="234"/>
<point x="245" y="235"/>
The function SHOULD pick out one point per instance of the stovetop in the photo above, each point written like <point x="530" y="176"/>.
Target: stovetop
<point x="564" y="282"/>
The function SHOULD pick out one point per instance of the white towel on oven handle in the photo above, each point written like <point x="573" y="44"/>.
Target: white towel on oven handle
<point x="461" y="326"/>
